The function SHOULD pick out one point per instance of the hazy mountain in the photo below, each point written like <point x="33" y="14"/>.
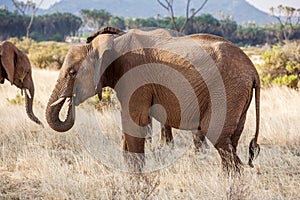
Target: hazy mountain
<point x="241" y="10"/>
<point x="7" y="4"/>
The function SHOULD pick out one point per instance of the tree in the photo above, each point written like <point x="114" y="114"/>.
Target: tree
<point x="12" y="24"/>
<point x="116" y="21"/>
<point x="227" y="26"/>
<point x="95" y="18"/>
<point x="204" y="23"/>
<point x="27" y="8"/>
<point x="55" y="26"/>
<point x="189" y="13"/>
<point x="287" y="17"/>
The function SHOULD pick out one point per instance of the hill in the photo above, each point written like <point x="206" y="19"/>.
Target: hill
<point x="241" y="10"/>
<point x="7" y="4"/>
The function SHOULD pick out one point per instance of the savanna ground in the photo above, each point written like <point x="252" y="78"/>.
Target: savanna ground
<point x="40" y="163"/>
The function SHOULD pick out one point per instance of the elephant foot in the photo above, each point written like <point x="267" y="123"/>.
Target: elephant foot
<point x="231" y="163"/>
<point x="135" y="162"/>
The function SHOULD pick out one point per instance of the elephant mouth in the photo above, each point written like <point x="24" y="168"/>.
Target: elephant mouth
<point x="27" y="92"/>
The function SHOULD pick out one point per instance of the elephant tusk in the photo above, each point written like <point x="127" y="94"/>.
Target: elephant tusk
<point x="69" y="101"/>
<point x="57" y="101"/>
<point x="28" y="93"/>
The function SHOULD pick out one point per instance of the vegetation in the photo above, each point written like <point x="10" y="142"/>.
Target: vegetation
<point x="54" y="26"/>
<point x="282" y="65"/>
<point x="42" y="55"/>
<point x="57" y="26"/>
<point x="39" y="163"/>
<point x="18" y="100"/>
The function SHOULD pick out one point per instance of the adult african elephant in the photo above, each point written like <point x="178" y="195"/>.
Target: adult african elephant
<point x="198" y="82"/>
<point x="16" y="68"/>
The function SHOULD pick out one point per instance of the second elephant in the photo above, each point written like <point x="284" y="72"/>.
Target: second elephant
<point x="16" y="68"/>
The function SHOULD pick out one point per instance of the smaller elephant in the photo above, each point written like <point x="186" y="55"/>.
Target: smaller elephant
<point x="16" y="68"/>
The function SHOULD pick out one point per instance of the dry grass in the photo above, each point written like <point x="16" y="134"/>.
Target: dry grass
<point x="41" y="163"/>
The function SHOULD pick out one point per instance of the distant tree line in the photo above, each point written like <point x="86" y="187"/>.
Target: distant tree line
<point x="54" y="26"/>
<point x="57" y="26"/>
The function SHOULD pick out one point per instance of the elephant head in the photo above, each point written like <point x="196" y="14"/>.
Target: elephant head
<point x="16" y="68"/>
<point x="77" y="80"/>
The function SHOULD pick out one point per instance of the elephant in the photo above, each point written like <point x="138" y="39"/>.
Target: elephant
<point x="197" y="82"/>
<point x="15" y="67"/>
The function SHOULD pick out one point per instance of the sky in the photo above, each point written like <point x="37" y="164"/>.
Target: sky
<point x="265" y="5"/>
<point x="260" y="4"/>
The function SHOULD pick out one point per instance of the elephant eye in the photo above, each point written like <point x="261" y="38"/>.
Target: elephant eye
<point x="72" y="73"/>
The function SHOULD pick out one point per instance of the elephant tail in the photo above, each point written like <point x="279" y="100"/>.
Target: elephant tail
<point x="254" y="148"/>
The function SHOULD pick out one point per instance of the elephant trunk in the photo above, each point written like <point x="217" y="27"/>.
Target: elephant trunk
<point x="29" y="95"/>
<point x="53" y="109"/>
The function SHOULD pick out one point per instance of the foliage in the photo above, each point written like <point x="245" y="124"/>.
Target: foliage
<point x="57" y="26"/>
<point x="108" y="100"/>
<point x="41" y="57"/>
<point x="12" y="24"/>
<point x="48" y="55"/>
<point x="288" y="18"/>
<point x="282" y="65"/>
<point x="54" y="26"/>
<point x="95" y="18"/>
<point x="18" y="100"/>
<point x="204" y="23"/>
<point x="116" y="21"/>
<point x="250" y="34"/>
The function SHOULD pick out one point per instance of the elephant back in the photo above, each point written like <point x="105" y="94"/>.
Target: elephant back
<point x="105" y="30"/>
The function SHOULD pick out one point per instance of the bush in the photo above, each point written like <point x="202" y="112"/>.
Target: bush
<point x="108" y="101"/>
<point x="282" y="65"/>
<point x="48" y="55"/>
<point x="18" y="100"/>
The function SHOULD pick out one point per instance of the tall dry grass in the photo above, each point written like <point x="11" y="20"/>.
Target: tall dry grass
<point x="39" y="163"/>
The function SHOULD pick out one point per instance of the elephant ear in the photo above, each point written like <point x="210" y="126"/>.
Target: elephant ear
<point x="103" y="45"/>
<point x="8" y="53"/>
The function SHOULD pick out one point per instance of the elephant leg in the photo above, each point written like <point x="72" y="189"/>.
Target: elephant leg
<point x="134" y="133"/>
<point x="237" y="133"/>
<point x="230" y="160"/>
<point x="134" y="155"/>
<point x="199" y="139"/>
<point x="124" y="143"/>
<point x="166" y="134"/>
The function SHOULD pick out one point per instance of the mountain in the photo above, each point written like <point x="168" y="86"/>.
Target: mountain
<point x="241" y="10"/>
<point x="7" y="4"/>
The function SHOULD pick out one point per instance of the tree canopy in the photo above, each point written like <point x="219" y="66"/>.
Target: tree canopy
<point x="57" y="26"/>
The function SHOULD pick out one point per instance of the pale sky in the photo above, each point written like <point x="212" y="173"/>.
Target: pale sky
<point x="260" y="4"/>
<point x="265" y="5"/>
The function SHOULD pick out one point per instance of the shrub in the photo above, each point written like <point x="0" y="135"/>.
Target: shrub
<point x="108" y="100"/>
<point x="43" y="54"/>
<point x="18" y="100"/>
<point x="48" y="54"/>
<point x="282" y="65"/>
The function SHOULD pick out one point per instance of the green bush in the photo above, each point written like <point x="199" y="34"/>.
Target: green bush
<point x="48" y="55"/>
<point x="18" y="100"/>
<point x="108" y="100"/>
<point x="282" y="65"/>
